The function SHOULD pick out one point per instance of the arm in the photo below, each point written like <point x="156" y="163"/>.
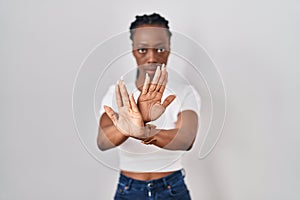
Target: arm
<point x="115" y="128"/>
<point x="108" y="135"/>
<point x="149" y="101"/>
<point x="180" y="138"/>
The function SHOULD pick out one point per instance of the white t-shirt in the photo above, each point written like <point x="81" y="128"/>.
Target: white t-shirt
<point x="137" y="157"/>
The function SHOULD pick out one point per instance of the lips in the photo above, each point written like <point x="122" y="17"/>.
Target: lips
<point x="150" y="71"/>
<point x="151" y="68"/>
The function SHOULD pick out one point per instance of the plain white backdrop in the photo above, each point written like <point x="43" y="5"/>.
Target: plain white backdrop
<point x="255" y="45"/>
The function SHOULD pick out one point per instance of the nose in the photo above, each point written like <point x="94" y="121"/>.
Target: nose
<point x="151" y="56"/>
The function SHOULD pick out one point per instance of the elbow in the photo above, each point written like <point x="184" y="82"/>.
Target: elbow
<point x="188" y="145"/>
<point x="185" y="147"/>
<point x="102" y="146"/>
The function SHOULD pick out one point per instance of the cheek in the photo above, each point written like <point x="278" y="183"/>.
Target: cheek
<point x="138" y="57"/>
<point x="164" y="57"/>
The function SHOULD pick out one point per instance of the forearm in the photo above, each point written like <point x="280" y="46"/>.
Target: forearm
<point x="173" y="139"/>
<point x="109" y="137"/>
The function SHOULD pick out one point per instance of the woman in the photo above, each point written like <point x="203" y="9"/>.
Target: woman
<point x="150" y="166"/>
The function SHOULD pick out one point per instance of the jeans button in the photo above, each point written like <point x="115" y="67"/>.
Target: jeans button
<point x="150" y="185"/>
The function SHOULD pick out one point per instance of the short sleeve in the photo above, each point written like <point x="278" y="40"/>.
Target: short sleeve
<point x="191" y="100"/>
<point x="108" y="100"/>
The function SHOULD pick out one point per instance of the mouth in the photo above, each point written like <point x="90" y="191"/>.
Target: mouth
<point x="151" y="69"/>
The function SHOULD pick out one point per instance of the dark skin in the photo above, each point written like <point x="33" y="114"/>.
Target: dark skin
<point x="151" y="47"/>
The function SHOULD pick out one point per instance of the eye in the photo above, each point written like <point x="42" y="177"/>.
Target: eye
<point x="160" y="50"/>
<point x="142" y="50"/>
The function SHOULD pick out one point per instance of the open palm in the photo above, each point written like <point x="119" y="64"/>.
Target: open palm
<point x="129" y="120"/>
<point x="149" y="101"/>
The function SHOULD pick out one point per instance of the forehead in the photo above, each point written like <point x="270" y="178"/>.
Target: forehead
<point x="151" y="36"/>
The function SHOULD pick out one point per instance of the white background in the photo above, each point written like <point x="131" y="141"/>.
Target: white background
<point x="254" y="43"/>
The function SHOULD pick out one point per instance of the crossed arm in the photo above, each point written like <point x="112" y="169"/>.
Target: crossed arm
<point x="130" y="121"/>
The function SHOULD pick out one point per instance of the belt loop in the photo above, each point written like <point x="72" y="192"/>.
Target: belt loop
<point x="183" y="172"/>
<point x="165" y="182"/>
<point x="129" y="183"/>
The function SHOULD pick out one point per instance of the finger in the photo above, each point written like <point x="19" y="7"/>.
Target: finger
<point x="124" y="94"/>
<point x="111" y="114"/>
<point x="163" y="86"/>
<point x="146" y="84"/>
<point x="118" y="95"/>
<point x="134" y="107"/>
<point x="168" y="101"/>
<point x="161" y="78"/>
<point x="156" y="75"/>
<point x="155" y="79"/>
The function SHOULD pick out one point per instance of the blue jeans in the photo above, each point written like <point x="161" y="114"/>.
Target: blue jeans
<point x="171" y="187"/>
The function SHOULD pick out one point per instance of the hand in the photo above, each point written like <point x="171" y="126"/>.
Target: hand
<point x="149" y="101"/>
<point x="129" y="121"/>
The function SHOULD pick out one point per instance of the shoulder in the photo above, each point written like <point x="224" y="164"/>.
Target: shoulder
<point x="182" y="89"/>
<point x="186" y="95"/>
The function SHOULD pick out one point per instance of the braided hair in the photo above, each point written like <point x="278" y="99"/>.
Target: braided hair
<point x="153" y="19"/>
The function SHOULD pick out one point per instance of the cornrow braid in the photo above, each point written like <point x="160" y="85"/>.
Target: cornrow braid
<point x="153" y="19"/>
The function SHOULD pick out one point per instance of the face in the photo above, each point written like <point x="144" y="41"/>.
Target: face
<point x="151" y="47"/>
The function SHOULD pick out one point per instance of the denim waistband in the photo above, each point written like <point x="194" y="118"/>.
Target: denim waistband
<point x="152" y="184"/>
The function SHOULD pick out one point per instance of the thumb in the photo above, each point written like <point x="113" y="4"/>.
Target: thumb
<point x="168" y="100"/>
<point x="111" y="114"/>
